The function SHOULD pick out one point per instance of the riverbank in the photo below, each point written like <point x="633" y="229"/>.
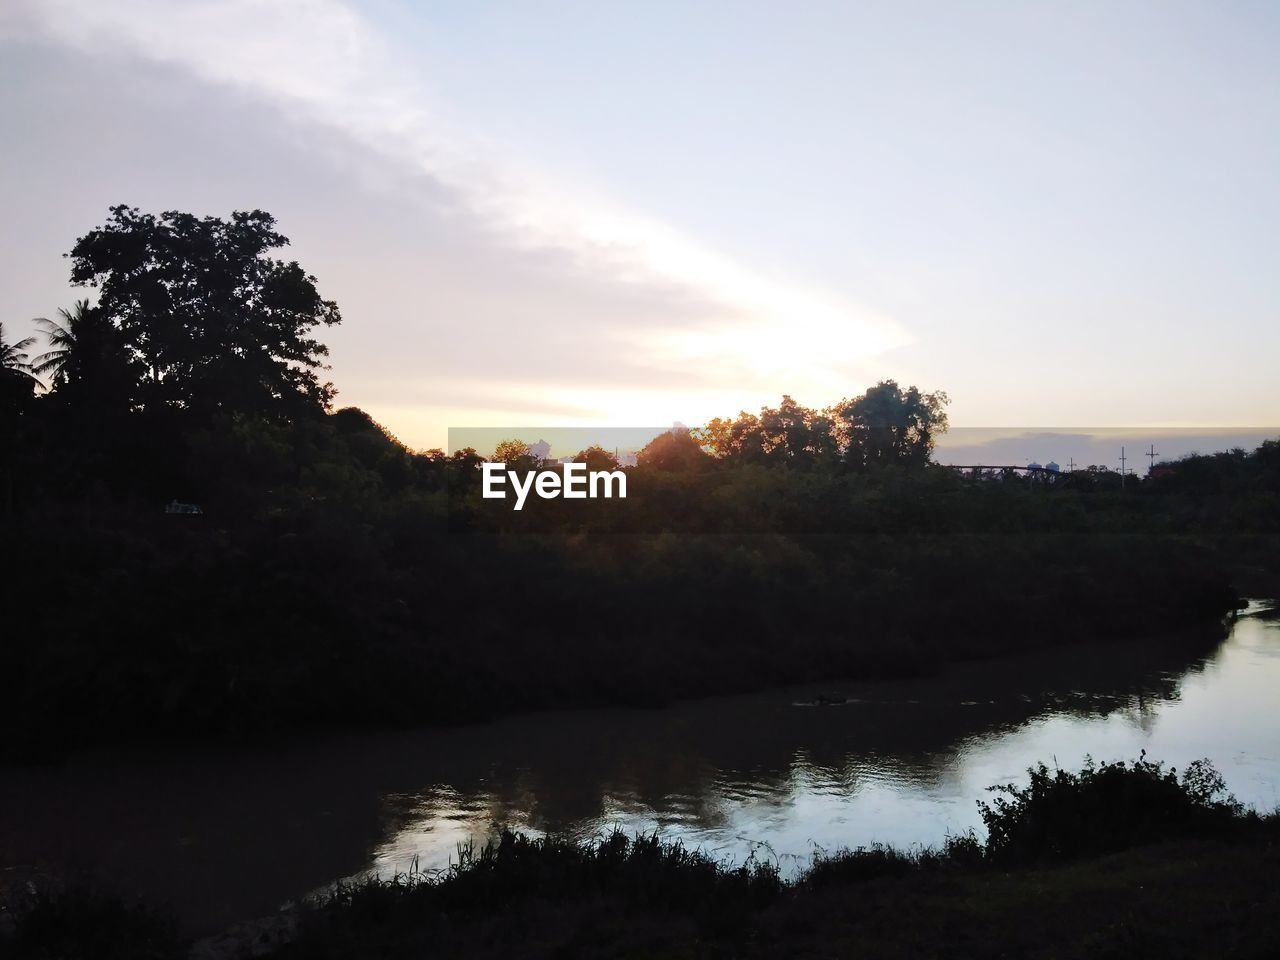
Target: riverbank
<point x="1193" y="899"/>
<point x="217" y="833"/>
<point x="1116" y="860"/>
<point x="336" y="580"/>
<point x="246" y="633"/>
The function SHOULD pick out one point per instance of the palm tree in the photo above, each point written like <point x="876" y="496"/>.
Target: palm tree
<point x="88" y="362"/>
<point x="13" y="357"/>
<point x="63" y="339"/>
<point x="17" y="384"/>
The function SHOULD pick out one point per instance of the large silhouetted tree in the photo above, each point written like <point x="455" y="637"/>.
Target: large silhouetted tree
<point x="795" y="434"/>
<point x="889" y="425"/>
<point x="216" y="323"/>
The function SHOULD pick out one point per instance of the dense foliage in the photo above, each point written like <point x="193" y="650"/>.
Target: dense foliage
<point x="1103" y="808"/>
<point x="334" y="576"/>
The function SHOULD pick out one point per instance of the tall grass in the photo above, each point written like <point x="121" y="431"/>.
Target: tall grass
<point x="618" y="888"/>
<point x="56" y="921"/>
<point x="643" y="869"/>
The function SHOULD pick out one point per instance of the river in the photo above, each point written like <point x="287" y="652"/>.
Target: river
<point x="220" y="835"/>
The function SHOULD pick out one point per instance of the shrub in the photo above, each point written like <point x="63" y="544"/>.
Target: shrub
<point x="1101" y="809"/>
<point x="52" y="922"/>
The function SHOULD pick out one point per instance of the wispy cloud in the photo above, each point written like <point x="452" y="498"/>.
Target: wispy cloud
<point x="321" y="62"/>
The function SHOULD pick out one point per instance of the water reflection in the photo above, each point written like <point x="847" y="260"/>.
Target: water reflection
<point x="225" y="835"/>
<point x="901" y="763"/>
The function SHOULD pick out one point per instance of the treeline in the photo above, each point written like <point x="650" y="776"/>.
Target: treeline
<point x="334" y="576"/>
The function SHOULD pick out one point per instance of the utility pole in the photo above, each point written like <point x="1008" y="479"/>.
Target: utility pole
<point x="1151" y="454"/>
<point x="1071" y="465"/>
<point x="1122" y="459"/>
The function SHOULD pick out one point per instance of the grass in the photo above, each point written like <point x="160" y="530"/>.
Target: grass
<point x="57" y="921"/>
<point x="1114" y="860"/>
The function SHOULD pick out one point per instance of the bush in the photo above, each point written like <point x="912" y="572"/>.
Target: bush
<point x="1061" y="815"/>
<point x="52" y="922"/>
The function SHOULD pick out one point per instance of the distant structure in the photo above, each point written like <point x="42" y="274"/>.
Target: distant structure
<point x="1052" y="467"/>
<point x="189" y="509"/>
<point x="1034" y="466"/>
<point x="540" y="450"/>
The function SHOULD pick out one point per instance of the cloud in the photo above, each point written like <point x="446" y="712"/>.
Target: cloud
<point x="706" y="316"/>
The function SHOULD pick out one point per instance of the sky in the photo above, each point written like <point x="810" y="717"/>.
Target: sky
<point x="535" y="213"/>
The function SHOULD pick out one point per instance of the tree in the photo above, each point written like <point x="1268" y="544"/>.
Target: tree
<point x="14" y="358"/>
<point x="217" y="324"/>
<point x="597" y="457"/>
<point x="795" y="434"/>
<point x="789" y="433"/>
<point x="88" y="363"/>
<point x="62" y="340"/>
<point x="672" y="450"/>
<point x="738" y="439"/>
<point x="887" y="425"/>
<point x="17" y="389"/>
<point x="17" y="380"/>
<point x="512" y="452"/>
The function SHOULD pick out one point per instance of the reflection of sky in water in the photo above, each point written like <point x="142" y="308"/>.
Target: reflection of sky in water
<point x="222" y="834"/>
<point x="1225" y="709"/>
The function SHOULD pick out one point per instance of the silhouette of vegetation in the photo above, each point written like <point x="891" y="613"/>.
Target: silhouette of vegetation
<point x="333" y="576"/>
<point x="216" y="324"/>
<point x="514" y="453"/>
<point x="1102" y="809"/>
<point x="886" y="426"/>
<point x="14" y="360"/>
<point x="597" y="458"/>
<point x="52" y="921"/>
<point x="1160" y="887"/>
<point x="88" y="363"/>
<point x="17" y="379"/>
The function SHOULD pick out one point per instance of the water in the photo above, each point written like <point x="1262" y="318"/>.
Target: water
<point x="224" y="835"/>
